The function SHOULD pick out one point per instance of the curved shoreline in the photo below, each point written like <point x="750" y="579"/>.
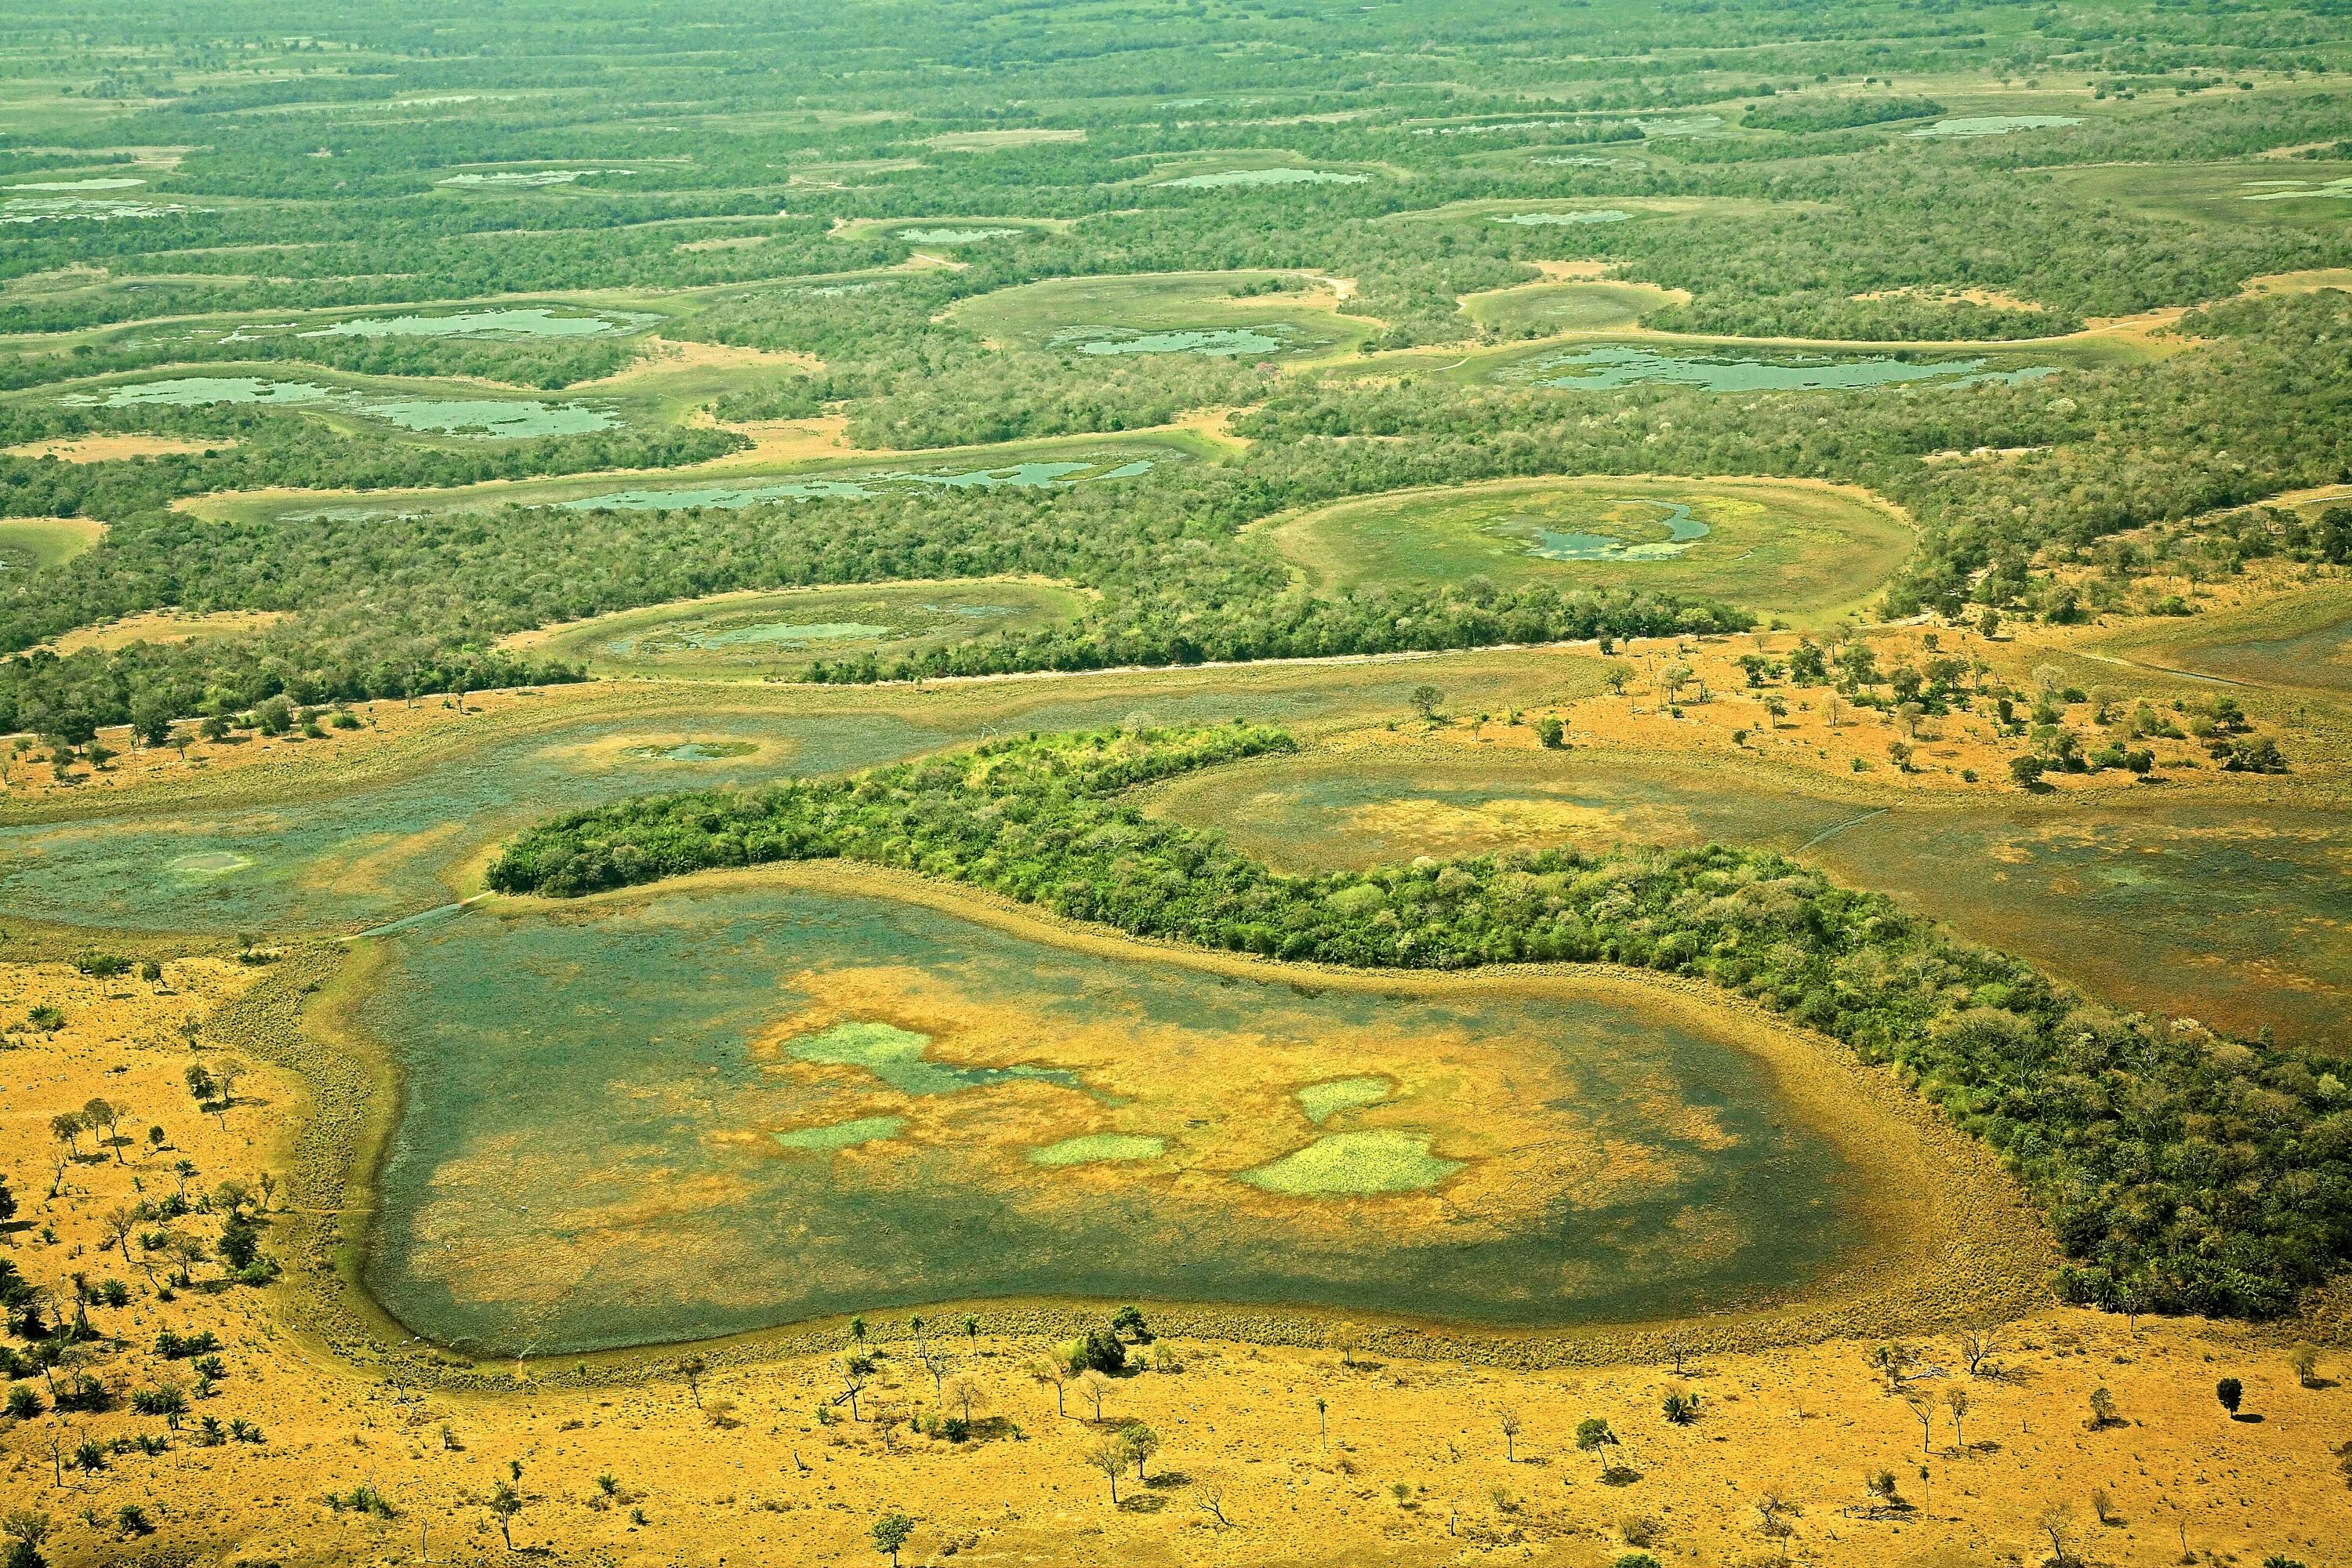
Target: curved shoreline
<point x="1959" y="1244"/>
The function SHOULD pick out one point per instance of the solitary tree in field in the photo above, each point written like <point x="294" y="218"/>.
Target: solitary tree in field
<point x="2057" y="1523"/>
<point x="1508" y="1420"/>
<point x="1956" y="1399"/>
<point x="972" y="1333"/>
<point x="1425" y="699"/>
<point x="1053" y="1370"/>
<point x="1109" y="1457"/>
<point x="856" y="1368"/>
<point x="2103" y="1409"/>
<point x="1141" y="1442"/>
<point x="2229" y="1392"/>
<point x="1593" y="1436"/>
<point x="963" y="1392"/>
<point x="691" y="1368"/>
<point x="506" y="1501"/>
<point x="2305" y="1359"/>
<point x="1924" y="1411"/>
<point x="891" y="1533"/>
<point x="120" y="1224"/>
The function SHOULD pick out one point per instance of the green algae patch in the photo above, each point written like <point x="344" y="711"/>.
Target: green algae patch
<point x="1322" y="1101"/>
<point x="1099" y="1149"/>
<point x="1355" y="1164"/>
<point x="837" y="1135"/>
<point x="896" y="1057"/>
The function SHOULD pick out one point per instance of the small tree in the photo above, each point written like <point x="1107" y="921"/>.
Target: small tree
<point x="2229" y="1392"/>
<point x="963" y="1392"/>
<point x="1109" y="1457"/>
<point x="1141" y="1442"/>
<point x="1955" y="1400"/>
<point x="891" y="1533"/>
<point x="691" y="1368"/>
<point x="1425" y="700"/>
<point x="1094" y="1388"/>
<point x="2305" y="1359"/>
<point x="1923" y="1410"/>
<point x="1773" y="1510"/>
<point x="506" y="1501"/>
<point x="2103" y="1409"/>
<point x="2057" y="1523"/>
<point x="1056" y="1370"/>
<point x="1508" y="1420"/>
<point x="856" y="1369"/>
<point x="1593" y="1436"/>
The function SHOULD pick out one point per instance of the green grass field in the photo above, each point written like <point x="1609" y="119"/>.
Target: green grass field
<point x="1805" y="553"/>
<point x="29" y="544"/>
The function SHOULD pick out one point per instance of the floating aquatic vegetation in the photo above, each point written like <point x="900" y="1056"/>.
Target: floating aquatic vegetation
<point x="1355" y="1164"/>
<point x="491" y="419"/>
<point x="1599" y="214"/>
<point x="526" y="178"/>
<point x="1603" y="366"/>
<point x="1995" y="124"/>
<point x="1231" y="177"/>
<point x="1216" y="342"/>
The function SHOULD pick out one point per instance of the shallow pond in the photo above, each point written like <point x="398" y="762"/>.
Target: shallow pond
<point x="103" y="183"/>
<point x="2293" y="190"/>
<point x="1995" y="124"/>
<point x="672" y="1118"/>
<point x="1600" y="214"/>
<point x="535" y="321"/>
<point x="497" y="418"/>
<point x="525" y="179"/>
<point x="863" y="487"/>
<point x="1216" y="342"/>
<point x="1601" y="367"/>
<point x="952" y="236"/>
<point x="2232" y="917"/>
<point x="341" y="862"/>
<point x="1231" y="177"/>
<point x="1682" y="531"/>
<point x="491" y="418"/>
<point x="82" y="209"/>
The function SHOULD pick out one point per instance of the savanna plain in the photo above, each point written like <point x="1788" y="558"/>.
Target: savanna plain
<point x="1207" y="781"/>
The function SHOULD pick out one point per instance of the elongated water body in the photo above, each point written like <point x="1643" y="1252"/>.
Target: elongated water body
<point x="1601" y="367"/>
<point x="696" y="1112"/>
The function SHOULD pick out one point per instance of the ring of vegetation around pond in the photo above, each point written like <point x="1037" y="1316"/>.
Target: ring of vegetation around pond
<point x="751" y="635"/>
<point x="1800" y="550"/>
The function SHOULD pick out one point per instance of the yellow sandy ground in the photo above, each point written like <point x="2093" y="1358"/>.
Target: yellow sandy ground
<point x="164" y="626"/>
<point x="1312" y="1461"/>
<point x="111" y="448"/>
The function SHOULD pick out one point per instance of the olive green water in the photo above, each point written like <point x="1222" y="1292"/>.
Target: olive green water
<point x="2232" y="917"/>
<point x="342" y="861"/>
<point x="590" y="1154"/>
